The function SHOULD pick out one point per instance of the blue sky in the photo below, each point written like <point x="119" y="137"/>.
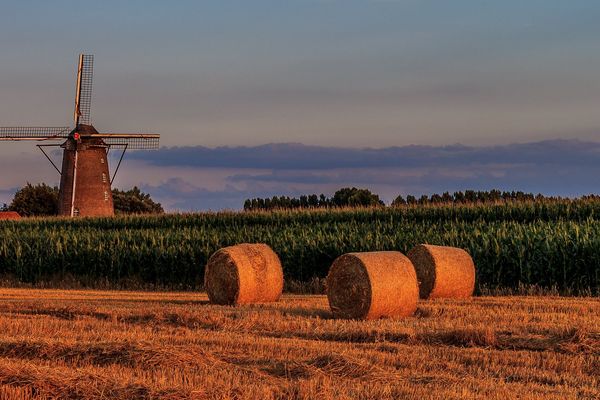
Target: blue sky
<point x="355" y="74"/>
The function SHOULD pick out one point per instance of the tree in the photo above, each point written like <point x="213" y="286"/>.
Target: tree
<point x="424" y="199"/>
<point x="304" y="201"/>
<point x="340" y="198"/>
<point x="364" y="198"/>
<point x="446" y="198"/>
<point x="354" y="197"/>
<point x="323" y="201"/>
<point x="470" y="196"/>
<point x="459" y="197"/>
<point x="436" y="199"/>
<point x="398" y="201"/>
<point x="495" y="195"/>
<point x="38" y="200"/>
<point x="135" y="201"/>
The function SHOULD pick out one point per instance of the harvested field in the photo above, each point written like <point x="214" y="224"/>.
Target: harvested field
<point x="94" y="344"/>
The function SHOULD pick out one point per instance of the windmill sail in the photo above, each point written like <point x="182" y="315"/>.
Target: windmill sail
<point x="133" y="141"/>
<point x="83" y="96"/>
<point x="34" y="133"/>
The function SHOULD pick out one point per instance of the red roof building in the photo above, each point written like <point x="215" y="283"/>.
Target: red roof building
<point x="6" y="215"/>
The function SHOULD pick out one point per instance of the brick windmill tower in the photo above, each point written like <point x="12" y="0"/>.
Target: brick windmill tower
<point x="85" y="181"/>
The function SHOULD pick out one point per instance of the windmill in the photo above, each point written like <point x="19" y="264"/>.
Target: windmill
<point x="85" y="181"/>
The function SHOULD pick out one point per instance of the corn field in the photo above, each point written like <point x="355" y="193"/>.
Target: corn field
<point x="554" y="244"/>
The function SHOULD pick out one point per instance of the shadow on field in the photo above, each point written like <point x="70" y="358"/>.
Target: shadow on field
<point x="308" y="312"/>
<point x="297" y="311"/>
<point x="186" y="302"/>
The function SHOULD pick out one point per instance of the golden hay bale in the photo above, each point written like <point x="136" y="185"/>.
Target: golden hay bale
<point x="443" y="271"/>
<point x="242" y="274"/>
<point x="372" y="285"/>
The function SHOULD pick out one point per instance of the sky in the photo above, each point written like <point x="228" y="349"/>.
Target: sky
<point x="315" y="76"/>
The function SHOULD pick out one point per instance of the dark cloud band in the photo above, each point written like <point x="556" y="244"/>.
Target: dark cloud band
<point x="291" y="156"/>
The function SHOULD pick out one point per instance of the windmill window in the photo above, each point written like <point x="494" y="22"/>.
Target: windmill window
<point x="102" y="161"/>
<point x="105" y="195"/>
<point x="103" y="177"/>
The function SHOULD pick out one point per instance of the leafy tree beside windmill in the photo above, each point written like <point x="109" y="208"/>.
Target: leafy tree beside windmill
<point x="85" y="181"/>
<point x="42" y="200"/>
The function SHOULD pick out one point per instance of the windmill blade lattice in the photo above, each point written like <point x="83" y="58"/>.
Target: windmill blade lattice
<point x="132" y="141"/>
<point x="84" y="97"/>
<point x="34" y="133"/>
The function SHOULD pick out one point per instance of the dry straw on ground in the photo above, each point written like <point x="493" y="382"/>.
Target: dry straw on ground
<point x="443" y="272"/>
<point x="98" y="345"/>
<point x="242" y="274"/>
<point x="372" y="285"/>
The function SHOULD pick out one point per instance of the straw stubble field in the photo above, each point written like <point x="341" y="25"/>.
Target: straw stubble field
<point x="93" y="345"/>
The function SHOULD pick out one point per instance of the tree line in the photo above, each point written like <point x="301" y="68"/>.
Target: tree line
<point x="42" y="200"/>
<point x="346" y="197"/>
<point x="353" y="197"/>
<point x="470" y="197"/>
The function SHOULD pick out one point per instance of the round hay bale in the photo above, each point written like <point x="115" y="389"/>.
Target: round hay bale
<point x="242" y="274"/>
<point x="443" y="271"/>
<point x="372" y="285"/>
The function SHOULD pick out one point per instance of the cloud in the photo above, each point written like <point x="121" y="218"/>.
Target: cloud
<point x="559" y="167"/>
<point x="294" y="156"/>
